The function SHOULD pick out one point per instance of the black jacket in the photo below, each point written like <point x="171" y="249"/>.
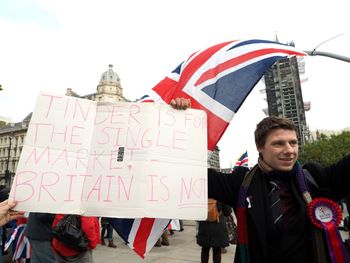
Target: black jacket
<point x="213" y="234"/>
<point x="331" y="182"/>
<point x="39" y="226"/>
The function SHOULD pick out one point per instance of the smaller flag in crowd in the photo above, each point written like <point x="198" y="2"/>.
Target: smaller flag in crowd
<point x="22" y="248"/>
<point x="243" y="160"/>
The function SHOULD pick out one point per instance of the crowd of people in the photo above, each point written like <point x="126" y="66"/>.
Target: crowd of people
<point x="285" y="212"/>
<point x="39" y="243"/>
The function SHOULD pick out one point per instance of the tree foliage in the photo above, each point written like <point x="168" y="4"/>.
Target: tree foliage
<point x="327" y="149"/>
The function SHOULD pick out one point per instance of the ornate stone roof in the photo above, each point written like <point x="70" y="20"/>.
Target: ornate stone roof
<point x="109" y="77"/>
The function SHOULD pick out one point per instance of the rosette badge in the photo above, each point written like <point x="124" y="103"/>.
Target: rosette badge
<point x="326" y="214"/>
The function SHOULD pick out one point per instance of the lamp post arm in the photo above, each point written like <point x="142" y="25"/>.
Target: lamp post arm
<point x="327" y="54"/>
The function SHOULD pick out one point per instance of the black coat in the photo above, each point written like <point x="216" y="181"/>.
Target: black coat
<point x="330" y="182"/>
<point x="213" y="234"/>
<point x="39" y="226"/>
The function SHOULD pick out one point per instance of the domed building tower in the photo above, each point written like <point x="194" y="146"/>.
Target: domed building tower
<point x="108" y="90"/>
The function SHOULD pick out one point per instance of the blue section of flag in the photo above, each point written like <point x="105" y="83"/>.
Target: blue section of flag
<point x="232" y="89"/>
<point x="122" y="226"/>
<point x="255" y="41"/>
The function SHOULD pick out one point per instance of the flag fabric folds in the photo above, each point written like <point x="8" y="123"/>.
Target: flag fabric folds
<point x="219" y="78"/>
<point x="140" y="233"/>
<point x="22" y="248"/>
<point x="243" y="160"/>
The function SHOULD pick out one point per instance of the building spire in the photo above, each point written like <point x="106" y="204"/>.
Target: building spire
<point x="276" y="37"/>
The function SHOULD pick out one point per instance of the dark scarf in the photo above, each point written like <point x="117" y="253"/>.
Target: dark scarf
<point x="273" y="174"/>
<point x="243" y="242"/>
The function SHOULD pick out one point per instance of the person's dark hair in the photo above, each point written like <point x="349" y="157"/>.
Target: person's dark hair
<point x="268" y="124"/>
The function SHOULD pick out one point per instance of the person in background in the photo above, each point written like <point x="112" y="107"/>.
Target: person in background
<point x="230" y="226"/>
<point x="213" y="235"/>
<point x="106" y="226"/>
<point x="163" y="240"/>
<point x="181" y="225"/>
<point x="4" y="194"/>
<point x="39" y="233"/>
<point x="91" y="228"/>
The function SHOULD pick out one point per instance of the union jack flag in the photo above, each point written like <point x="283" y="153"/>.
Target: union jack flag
<point x="219" y="78"/>
<point x="243" y="160"/>
<point x="140" y="233"/>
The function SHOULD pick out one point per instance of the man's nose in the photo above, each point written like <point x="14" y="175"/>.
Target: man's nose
<point x="289" y="148"/>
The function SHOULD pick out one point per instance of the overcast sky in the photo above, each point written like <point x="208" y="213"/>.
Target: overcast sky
<point x="55" y="45"/>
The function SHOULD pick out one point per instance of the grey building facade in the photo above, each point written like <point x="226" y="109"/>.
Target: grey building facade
<point x="284" y="95"/>
<point x="12" y="135"/>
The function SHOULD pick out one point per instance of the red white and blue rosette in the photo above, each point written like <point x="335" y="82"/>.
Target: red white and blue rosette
<point x="326" y="214"/>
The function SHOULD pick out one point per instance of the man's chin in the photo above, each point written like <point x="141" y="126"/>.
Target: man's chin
<point x="286" y="168"/>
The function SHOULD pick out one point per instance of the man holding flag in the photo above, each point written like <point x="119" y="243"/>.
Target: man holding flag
<point x="217" y="80"/>
<point x="285" y="212"/>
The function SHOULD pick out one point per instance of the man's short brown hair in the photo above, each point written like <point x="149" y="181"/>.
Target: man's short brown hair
<point x="268" y="124"/>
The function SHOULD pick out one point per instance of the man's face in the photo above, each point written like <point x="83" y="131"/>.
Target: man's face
<point x="280" y="150"/>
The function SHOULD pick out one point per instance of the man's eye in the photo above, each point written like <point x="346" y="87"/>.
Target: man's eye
<point x="278" y="143"/>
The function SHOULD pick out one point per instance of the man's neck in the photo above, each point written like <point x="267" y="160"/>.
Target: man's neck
<point x="264" y="166"/>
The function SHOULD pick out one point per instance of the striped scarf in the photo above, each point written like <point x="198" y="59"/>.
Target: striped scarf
<point x="243" y="242"/>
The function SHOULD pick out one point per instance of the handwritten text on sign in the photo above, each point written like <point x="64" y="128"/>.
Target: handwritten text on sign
<point x="113" y="159"/>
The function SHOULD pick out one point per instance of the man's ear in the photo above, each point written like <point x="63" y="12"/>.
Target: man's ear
<point x="259" y="149"/>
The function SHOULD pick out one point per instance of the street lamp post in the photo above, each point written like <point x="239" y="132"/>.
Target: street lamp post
<point x="7" y="172"/>
<point x="328" y="54"/>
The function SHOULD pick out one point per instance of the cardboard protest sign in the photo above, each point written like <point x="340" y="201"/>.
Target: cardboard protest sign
<point x="124" y="160"/>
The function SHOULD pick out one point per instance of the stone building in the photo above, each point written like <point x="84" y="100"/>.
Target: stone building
<point x="11" y="143"/>
<point x="12" y="135"/>
<point x="109" y="88"/>
<point x="214" y="159"/>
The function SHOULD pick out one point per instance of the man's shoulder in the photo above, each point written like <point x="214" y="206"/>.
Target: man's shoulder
<point x="315" y="181"/>
<point x="310" y="179"/>
<point x="240" y="170"/>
